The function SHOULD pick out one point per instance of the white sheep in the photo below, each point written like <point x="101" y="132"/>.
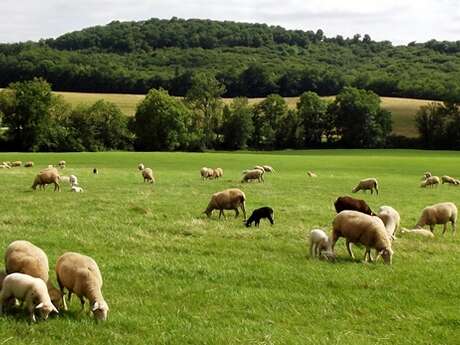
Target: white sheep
<point x="260" y="167"/>
<point x="140" y="166"/>
<point x="76" y="189"/>
<point x="311" y="174"/>
<point x="357" y="227"/>
<point x="268" y="168"/>
<point x="229" y="199"/>
<point x="255" y="174"/>
<point x="73" y="180"/>
<point x="391" y="219"/>
<point x="418" y="232"/>
<point x="29" y="289"/>
<point x="319" y="243"/>
<point x="426" y="174"/>
<point x="441" y="213"/>
<point x="430" y="182"/>
<point x="62" y="164"/>
<point x="147" y="174"/>
<point x="64" y="179"/>
<point x="448" y="179"/>
<point x="368" y="183"/>
<point x="80" y="274"/>
<point x="206" y="173"/>
<point x="218" y="172"/>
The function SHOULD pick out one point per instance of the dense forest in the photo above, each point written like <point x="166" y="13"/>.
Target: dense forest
<point x="251" y="60"/>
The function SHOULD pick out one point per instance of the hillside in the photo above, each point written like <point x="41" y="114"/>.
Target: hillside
<point x="252" y="60"/>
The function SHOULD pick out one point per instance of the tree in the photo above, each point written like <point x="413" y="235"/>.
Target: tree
<point x="204" y="96"/>
<point x="312" y="110"/>
<point x="257" y="81"/>
<point x="161" y="122"/>
<point x="25" y="107"/>
<point x="359" y="119"/>
<point x="237" y="124"/>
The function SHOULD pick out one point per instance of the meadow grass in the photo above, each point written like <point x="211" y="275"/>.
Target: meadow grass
<point x="172" y="276"/>
<point x="403" y="109"/>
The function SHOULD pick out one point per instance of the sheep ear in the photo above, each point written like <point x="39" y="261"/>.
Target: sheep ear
<point x="95" y="306"/>
<point x="39" y="306"/>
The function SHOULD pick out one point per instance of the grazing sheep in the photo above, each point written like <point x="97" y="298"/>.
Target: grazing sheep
<point x="229" y="199"/>
<point x="391" y="219"/>
<point x="73" y="180"/>
<point x="95" y="172"/>
<point x="430" y="182"/>
<point x="441" y="213"/>
<point x="45" y="177"/>
<point x="418" y="232"/>
<point x="218" y="172"/>
<point x="268" y="168"/>
<point x="349" y="203"/>
<point x="320" y="244"/>
<point x="25" y="257"/>
<point x="7" y="164"/>
<point x="140" y="166"/>
<point x="357" y="227"/>
<point x="206" y="173"/>
<point x="76" y="189"/>
<point x="29" y="289"/>
<point x="4" y="166"/>
<point x="29" y="164"/>
<point x="79" y="274"/>
<point x="258" y="214"/>
<point x="448" y="179"/>
<point x="260" y="167"/>
<point x="311" y="174"/>
<point x="255" y="174"/>
<point x="147" y="174"/>
<point x="369" y="183"/>
<point x="426" y="174"/>
<point x="16" y="164"/>
<point x="62" y="164"/>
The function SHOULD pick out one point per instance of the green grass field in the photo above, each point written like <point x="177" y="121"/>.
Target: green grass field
<point x="403" y="109"/>
<point x="172" y="276"/>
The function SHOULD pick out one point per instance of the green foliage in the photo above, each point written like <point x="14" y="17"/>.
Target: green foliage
<point x="237" y="127"/>
<point x="161" y="122"/>
<point x="312" y="110"/>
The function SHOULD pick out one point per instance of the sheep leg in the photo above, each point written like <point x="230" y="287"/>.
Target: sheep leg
<point x="348" y="244"/>
<point x="82" y="301"/>
<point x="244" y="211"/>
<point x="453" y="228"/>
<point x="444" y="228"/>
<point x="431" y="227"/>
<point x="311" y="249"/>
<point x="271" y="220"/>
<point x="221" y="213"/>
<point x="61" y="288"/>
<point x="236" y="212"/>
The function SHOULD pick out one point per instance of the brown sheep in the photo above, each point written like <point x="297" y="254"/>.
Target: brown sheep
<point x="229" y="199"/>
<point x="255" y="174"/>
<point x="441" y="213"/>
<point x="369" y="183"/>
<point x="432" y="181"/>
<point x="29" y="164"/>
<point x="349" y="203"/>
<point x="47" y="176"/>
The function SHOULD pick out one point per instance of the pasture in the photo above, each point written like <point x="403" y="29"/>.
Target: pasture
<point x="172" y="276"/>
<point x="403" y="109"/>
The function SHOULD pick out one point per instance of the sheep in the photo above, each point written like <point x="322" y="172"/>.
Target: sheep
<point x="358" y="227"/>
<point x="229" y="199"/>
<point x="29" y="289"/>
<point x="369" y="183"/>
<point x="76" y="189"/>
<point x="80" y="274"/>
<point x="45" y="177"/>
<point x="147" y="174"/>
<point x="7" y="164"/>
<point x="29" y="164"/>
<point x="140" y="166"/>
<point x="73" y="180"/>
<point x="4" y="166"/>
<point x="268" y="168"/>
<point x="320" y="244"/>
<point x="419" y="232"/>
<point x="258" y="214"/>
<point x="16" y="164"/>
<point x="62" y="164"/>
<point x="426" y="174"/>
<point x="391" y="219"/>
<point x="311" y="174"/>
<point x="25" y="257"/>
<point x="448" y="179"/>
<point x="349" y="203"/>
<point x="206" y="173"/>
<point x="64" y="179"/>
<point x="95" y="172"/>
<point x="218" y="172"/>
<point x="255" y="174"/>
<point x="260" y="167"/>
<point x="430" y="182"/>
<point x="441" y="213"/>
<point x="50" y="166"/>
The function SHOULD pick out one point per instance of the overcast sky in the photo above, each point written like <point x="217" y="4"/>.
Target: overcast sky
<point x="399" y="21"/>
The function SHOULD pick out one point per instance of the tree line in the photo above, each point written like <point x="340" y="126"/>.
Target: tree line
<point x="250" y="60"/>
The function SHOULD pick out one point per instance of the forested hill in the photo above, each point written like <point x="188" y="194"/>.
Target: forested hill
<point x="252" y="60"/>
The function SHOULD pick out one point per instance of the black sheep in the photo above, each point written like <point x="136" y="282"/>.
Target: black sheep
<point x="258" y="214"/>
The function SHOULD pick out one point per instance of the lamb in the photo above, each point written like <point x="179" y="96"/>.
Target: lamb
<point x="218" y="172"/>
<point x="45" y="177"/>
<point x="311" y="174"/>
<point x="140" y="166"/>
<point x="391" y="219"/>
<point x="426" y="174"/>
<point x="268" y="168"/>
<point x="29" y="289"/>
<point x="448" y="179"/>
<point x="79" y="274"/>
<point x="255" y="174"/>
<point x="358" y="227"/>
<point x="441" y="213"/>
<point x="64" y="179"/>
<point x="229" y="199"/>
<point x="258" y="214"/>
<point x="319" y="244"/>
<point x="419" y="232"/>
<point x="16" y="164"/>
<point x="29" y="164"/>
<point x="206" y="173"/>
<point x="62" y="164"/>
<point x="147" y="174"/>
<point x="25" y="257"/>
<point x="369" y="183"/>
<point x="73" y="180"/>
<point x="349" y="203"/>
<point x="76" y="189"/>
<point x="430" y="182"/>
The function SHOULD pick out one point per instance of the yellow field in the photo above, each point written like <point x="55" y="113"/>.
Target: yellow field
<point x="403" y="109"/>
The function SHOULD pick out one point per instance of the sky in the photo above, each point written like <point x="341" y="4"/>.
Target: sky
<point x="398" y="21"/>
